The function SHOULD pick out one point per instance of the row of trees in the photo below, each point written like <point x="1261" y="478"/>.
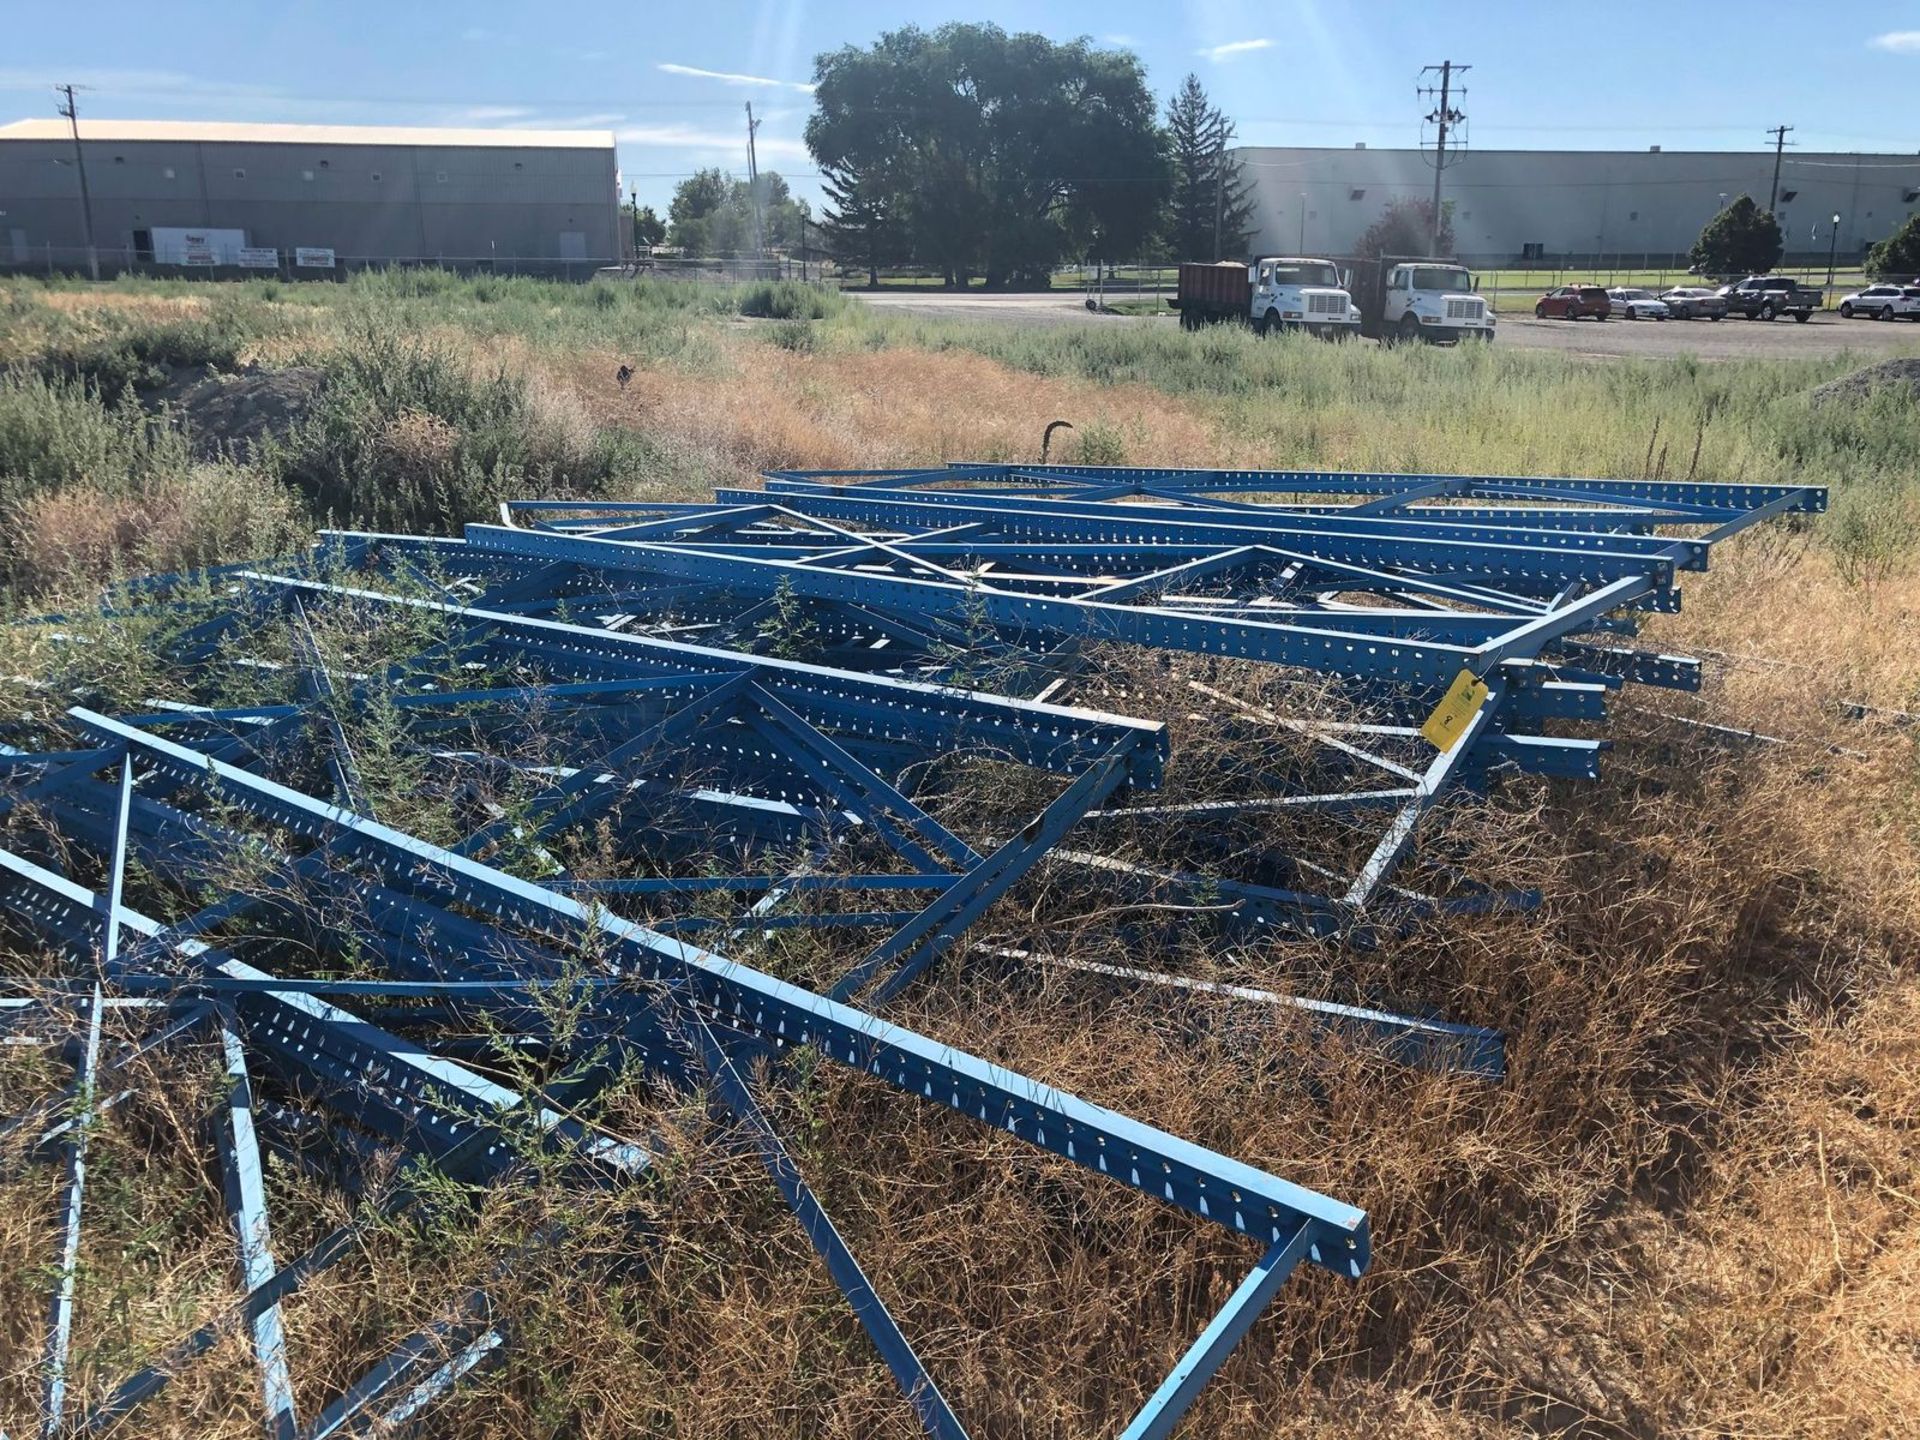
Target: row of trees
<point x="983" y="154"/>
<point x="712" y="213"/>
<point x="1743" y="239"/>
<point x="977" y="153"/>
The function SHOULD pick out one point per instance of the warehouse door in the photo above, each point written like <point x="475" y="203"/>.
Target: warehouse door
<point x="573" y="244"/>
<point x="18" y="237"/>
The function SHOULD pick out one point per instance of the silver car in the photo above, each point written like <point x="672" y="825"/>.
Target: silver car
<point x="1692" y="302"/>
<point x="1637" y="304"/>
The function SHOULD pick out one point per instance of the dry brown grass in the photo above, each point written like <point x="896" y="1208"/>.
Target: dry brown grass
<point x="65" y="541"/>
<point x="777" y="409"/>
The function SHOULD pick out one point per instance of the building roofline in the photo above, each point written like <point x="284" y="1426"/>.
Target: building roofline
<point x="233" y="132"/>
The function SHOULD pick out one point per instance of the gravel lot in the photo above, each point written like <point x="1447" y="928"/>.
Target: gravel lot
<point x="1731" y="339"/>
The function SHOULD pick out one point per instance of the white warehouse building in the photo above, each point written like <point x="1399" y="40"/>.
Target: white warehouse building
<point x="1575" y="206"/>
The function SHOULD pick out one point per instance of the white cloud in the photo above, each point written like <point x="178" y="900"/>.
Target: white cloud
<point x="1233" y="48"/>
<point x="729" y="77"/>
<point x="486" y="114"/>
<point x="693" y="137"/>
<point x="1118" y="39"/>
<point x="1900" y="42"/>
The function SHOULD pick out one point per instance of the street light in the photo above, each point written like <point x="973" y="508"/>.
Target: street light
<point x="1833" y="243"/>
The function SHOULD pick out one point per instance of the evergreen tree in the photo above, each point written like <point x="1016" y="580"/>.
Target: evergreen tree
<point x="1742" y="239"/>
<point x="860" y="226"/>
<point x="1207" y="183"/>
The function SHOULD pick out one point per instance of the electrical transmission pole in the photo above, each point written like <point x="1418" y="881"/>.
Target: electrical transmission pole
<point x="1219" y="193"/>
<point x="72" y="113"/>
<point x="1446" y="117"/>
<point x="753" y="184"/>
<point x="1779" y="133"/>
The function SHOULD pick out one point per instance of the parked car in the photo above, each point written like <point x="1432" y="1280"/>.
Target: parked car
<point x="1761" y="297"/>
<point x="1883" y="302"/>
<point x="1637" y="304"/>
<point x="1692" y="302"/>
<point x="1570" y="302"/>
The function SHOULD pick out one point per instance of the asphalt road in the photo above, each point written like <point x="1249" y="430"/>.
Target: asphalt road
<point x="1731" y="339"/>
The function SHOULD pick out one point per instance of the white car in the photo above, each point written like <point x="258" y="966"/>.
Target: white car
<point x="1638" y="304"/>
<point x="1883" y="302"/>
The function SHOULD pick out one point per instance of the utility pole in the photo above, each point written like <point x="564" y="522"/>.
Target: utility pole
<point x="72" y="113"/>
<point x="1779" y="133"/>
<point x="1219" y="193"/>
<point x="753" y="184"/>
<point x="1446" y="118"/>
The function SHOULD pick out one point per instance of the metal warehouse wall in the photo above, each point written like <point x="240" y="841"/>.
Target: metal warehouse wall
<point x="1574" y="203"/>
<point x="366" y="202"/>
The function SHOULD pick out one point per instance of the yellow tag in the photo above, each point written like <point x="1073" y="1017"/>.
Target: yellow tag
<point x="1456" y="710"/>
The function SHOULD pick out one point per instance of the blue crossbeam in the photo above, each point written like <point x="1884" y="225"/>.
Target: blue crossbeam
<point x="1340" y="482"/>
<point x="783" y="1015"/>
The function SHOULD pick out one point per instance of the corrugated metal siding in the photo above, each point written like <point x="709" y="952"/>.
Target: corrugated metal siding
<point x="1623" y="203"/>
<point x="366" y="202"/>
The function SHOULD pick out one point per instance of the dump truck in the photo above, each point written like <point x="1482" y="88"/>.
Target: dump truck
<point x="1278" y="292"/>
<point x="1404" y="298"/>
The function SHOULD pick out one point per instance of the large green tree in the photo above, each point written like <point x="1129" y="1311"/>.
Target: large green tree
<point x="648" y="228"/>
<point x="989" y="153"/>
<point x="1898" y="256"/>
<point x="1742" y="239"/>
<point x="1212" y="202"/>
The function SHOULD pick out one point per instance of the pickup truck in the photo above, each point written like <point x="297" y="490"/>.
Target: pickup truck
<point x="1761" y="297"/>
<point x="1281" y="292"/>
<point x="1407" y="298"/>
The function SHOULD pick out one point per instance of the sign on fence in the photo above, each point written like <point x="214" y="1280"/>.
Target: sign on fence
<point x="259" y="257"/>
<point x="312" y="257"/>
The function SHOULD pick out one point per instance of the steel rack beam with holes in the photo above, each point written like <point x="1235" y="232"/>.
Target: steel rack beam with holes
<point x="688" y="986"/>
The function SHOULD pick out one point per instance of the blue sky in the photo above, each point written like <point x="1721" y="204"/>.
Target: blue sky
<point x="671" y="78"/>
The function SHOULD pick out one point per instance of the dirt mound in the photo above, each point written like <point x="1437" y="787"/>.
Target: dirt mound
<point x="1897" y="374"/>
<point x="229" y="414"/>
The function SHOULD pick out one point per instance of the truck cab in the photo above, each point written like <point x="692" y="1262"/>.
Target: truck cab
<point x="1293" y="292"/>
<point x="1432" y="300"/>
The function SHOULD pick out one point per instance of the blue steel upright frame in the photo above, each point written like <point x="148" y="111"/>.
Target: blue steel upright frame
<point x="1525" y="584"/>
<point x="197" y="787"/>
<point x="633" y="640"/>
